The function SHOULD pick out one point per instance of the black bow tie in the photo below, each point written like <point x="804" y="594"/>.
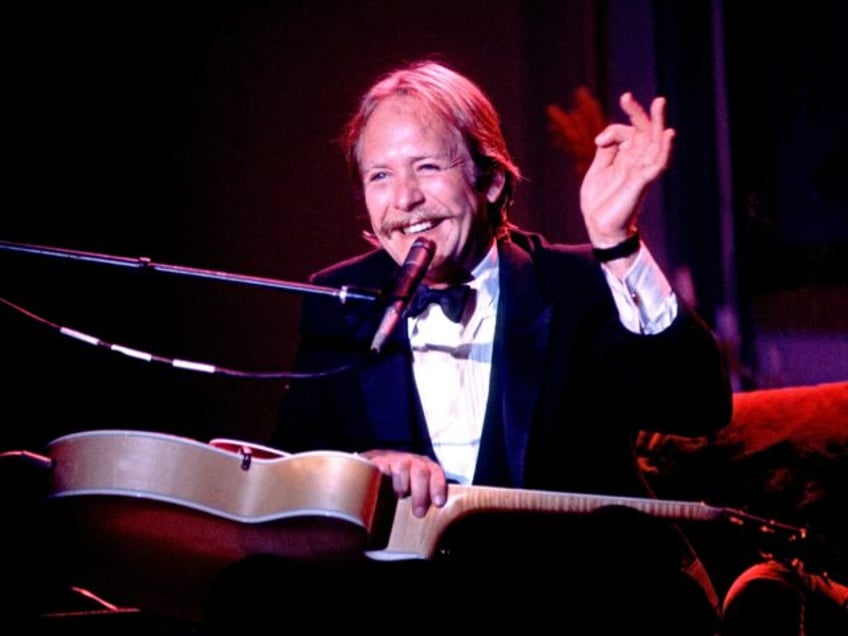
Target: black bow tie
<point x="451" y="299"/>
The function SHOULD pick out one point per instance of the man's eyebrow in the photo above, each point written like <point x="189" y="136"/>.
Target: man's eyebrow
<point x="449" y="156"/>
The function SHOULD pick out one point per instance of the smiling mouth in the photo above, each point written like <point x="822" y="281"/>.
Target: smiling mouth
<point x="417" y="228"/>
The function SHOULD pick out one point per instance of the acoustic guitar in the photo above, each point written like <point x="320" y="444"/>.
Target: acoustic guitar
<point x="152" y="518"/>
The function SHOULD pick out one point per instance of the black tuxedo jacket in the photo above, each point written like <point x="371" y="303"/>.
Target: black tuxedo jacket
<point x="571" y="387"/>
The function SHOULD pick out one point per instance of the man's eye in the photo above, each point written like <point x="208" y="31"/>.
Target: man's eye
<point x="429" y="167"/>
<point x="376" y="176"/>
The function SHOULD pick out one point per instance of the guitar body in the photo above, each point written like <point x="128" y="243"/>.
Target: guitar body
<point x="150" y="519"/>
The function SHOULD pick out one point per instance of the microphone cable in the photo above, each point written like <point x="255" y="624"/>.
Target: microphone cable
<point x="177" y="363"/>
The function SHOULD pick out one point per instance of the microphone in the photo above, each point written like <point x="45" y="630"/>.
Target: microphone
<point x="409" y="277"/>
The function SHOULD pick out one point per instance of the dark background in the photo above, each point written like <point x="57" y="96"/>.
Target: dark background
<point x="203" y="137"/>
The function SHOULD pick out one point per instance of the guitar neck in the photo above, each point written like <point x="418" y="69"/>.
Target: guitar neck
<point x="414" y="537"/>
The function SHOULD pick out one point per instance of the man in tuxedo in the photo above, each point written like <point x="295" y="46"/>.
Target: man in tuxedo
<point x="537" y="374"/>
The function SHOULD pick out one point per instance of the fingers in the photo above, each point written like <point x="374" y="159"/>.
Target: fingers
<point x="416" y="476"/>
<point x="657" y="117"/>
<point x="653" y="125"/>
<point x="645" y="142"/>
<point x="633" y="109"/>
<point x="427" y="485"/>
<point x="660" y="135"/>
<point x="613" y="134"/>
<point x="666" y="145"/>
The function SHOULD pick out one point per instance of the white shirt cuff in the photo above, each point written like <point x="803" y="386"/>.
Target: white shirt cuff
<point x="645" y="301"/>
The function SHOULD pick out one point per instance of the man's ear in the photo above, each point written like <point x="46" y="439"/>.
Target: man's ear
<point x="494" y="184"/>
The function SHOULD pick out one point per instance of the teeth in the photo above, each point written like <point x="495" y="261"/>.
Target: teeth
<point x="423" y="226"/>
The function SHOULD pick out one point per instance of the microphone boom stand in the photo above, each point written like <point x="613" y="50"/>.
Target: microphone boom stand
<point x="343" y="294"/>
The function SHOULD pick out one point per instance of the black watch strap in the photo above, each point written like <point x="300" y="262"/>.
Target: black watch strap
<point x="627" y="247"/>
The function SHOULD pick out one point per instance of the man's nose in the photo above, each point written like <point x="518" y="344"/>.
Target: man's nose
<point x="407" y="193"/>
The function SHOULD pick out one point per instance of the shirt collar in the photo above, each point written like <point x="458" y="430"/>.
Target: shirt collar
<point x="485" y="282"/>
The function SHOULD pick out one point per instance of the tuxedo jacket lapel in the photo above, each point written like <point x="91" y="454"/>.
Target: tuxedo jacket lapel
<point x="523" y="334"/>
<point x="393" y="408"/>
